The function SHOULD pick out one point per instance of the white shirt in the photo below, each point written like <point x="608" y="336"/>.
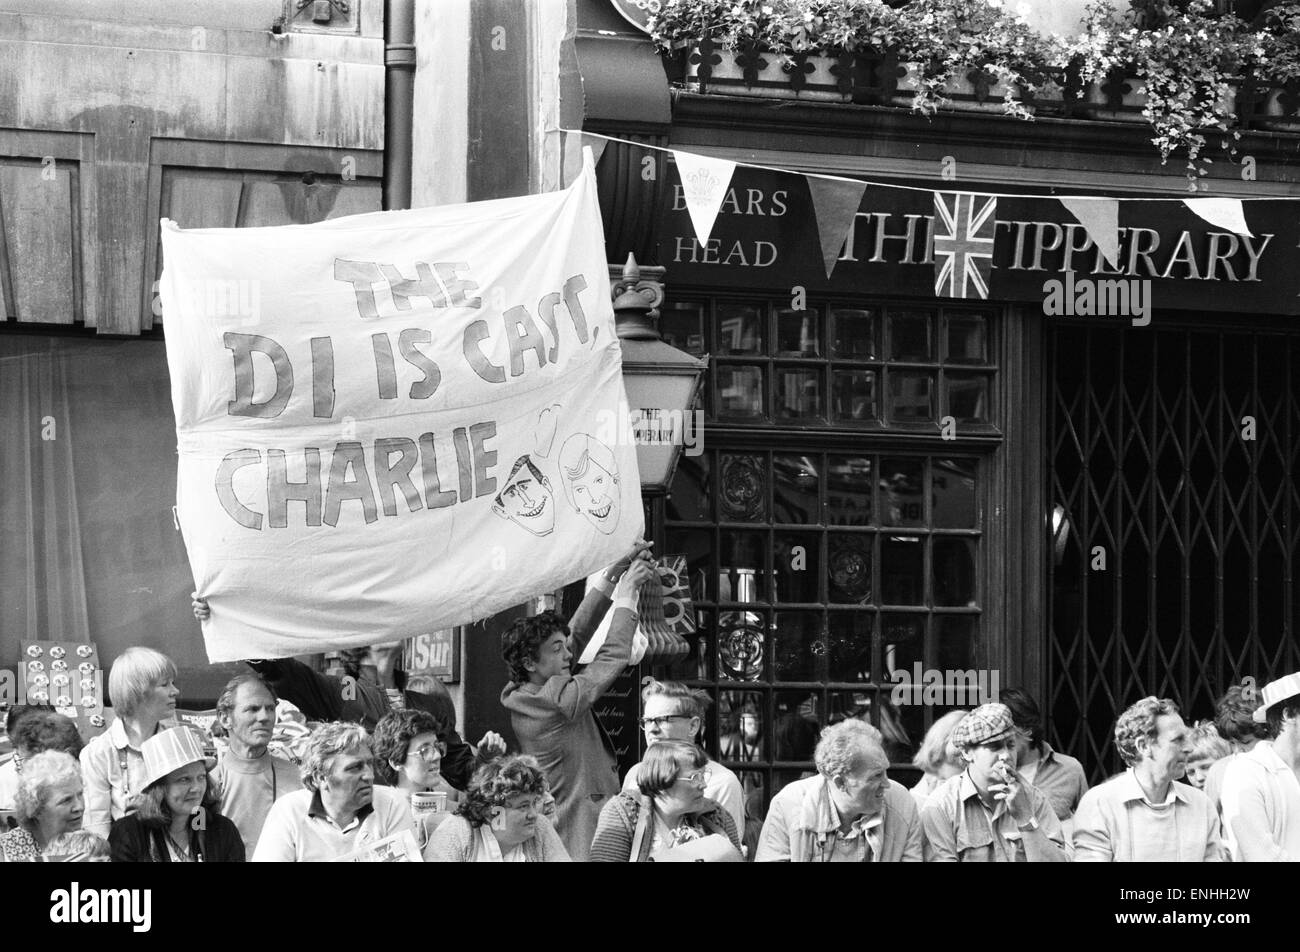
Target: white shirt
<point x="1261" y="807"/>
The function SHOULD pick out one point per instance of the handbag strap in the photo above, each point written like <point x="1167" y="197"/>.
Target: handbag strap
<point x="645" y="815"/>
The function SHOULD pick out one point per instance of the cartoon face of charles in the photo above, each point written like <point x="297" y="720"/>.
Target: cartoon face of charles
<point x="526" y="498"/>
<point x="591" y="482"/>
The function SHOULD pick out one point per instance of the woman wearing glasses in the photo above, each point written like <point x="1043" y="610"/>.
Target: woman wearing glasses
<point x="671" y="812"/>
<point x="673" y="711"/>
<point x="408" y="757"/>
<point x="500" y="819"/>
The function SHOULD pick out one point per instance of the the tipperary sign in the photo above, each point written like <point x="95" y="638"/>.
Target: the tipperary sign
<point x="775" y="229"/>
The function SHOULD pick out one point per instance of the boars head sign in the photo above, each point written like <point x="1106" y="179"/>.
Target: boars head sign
<point x="526" y="499"/>
<point x="591" y="480"/>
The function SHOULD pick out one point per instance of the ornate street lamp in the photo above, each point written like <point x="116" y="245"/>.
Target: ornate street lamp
<point x="662" y="382"/>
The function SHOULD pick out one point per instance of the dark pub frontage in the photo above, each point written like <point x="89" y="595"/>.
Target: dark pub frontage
<point x="1043" y="483"/>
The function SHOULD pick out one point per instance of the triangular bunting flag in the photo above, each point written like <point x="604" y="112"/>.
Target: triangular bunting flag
<point x="1225" y="212"/>
<point x="835" y="202"/>
<point x="572" y="146"/>
<point x="1100" y="219"/>
<point x="964" y="226"/>
<point x="704" y="185"/>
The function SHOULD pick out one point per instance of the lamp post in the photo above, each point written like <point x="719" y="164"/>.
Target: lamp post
<point x="662" y="382"/>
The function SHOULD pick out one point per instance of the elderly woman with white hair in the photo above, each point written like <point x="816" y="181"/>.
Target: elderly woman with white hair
<point x="850" y="812"/>
<point x="50" y="805"/>
<point x="340" y="809"/>
<point x="142" y="686"/>
<point x="938" y="758"/>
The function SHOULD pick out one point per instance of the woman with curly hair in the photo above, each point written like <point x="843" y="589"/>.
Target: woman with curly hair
<point x="670" y="811"/>
<point x="50" y="804"/>
<point x="408" y="757"/>
<point x="176" y="820"/>
<point x="500" y="819"/>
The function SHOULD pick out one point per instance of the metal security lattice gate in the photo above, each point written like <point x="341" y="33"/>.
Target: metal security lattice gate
<point x="1174" y="454"/>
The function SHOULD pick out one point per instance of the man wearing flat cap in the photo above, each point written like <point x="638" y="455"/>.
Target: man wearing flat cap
<point x="989" y="813"/>
<point x="1261" y="787"/>
<point x="1145" y="814"/>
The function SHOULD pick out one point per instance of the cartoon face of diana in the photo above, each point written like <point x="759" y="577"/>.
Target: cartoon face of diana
<point x="526" y="499"/>
<point x="595" y="493"/>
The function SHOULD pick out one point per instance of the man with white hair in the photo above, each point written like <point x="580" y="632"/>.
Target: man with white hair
<point x="989" y="813"/>
<point x="1261" y="787"/>
<point x="340" y="810"/>
<point x="850" y="812"/>
<point x="1145" y="814"/>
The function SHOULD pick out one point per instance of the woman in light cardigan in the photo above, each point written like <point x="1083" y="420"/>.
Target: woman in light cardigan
<point x="500" y="819"/>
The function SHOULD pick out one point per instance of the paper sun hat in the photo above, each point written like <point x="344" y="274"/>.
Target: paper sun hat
<point x="987" y="723"/>
<point x="168" y="750"/>
<point x="1275" y="691"/>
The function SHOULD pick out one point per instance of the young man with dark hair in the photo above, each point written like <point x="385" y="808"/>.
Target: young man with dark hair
<point x="1235" y="721"/>
<point x="1058" y="775"/>
<point x="551" y="708"/>
<point x="1261" y="787"/>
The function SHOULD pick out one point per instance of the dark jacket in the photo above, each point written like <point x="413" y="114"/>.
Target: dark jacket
<point x="131" y="841"/>
<point x="323" y="697"/>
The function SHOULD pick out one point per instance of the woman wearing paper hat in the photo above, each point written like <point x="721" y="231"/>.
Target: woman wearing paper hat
<point x="176" y="820"/>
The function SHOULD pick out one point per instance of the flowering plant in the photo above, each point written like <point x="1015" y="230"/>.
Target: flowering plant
<point x="1185" y="59"/>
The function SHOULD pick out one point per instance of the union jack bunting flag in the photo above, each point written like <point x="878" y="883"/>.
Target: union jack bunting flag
<point x="963" y="244"/>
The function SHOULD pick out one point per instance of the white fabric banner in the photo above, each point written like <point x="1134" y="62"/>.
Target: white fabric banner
<point x="1224" y="213"/>
<point x="704" y="186"/>
<point x="394" y="423"/>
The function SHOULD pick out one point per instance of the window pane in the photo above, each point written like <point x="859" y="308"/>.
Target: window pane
<point x="797" y="333"/>
<point x="902" y="500"/>
<point x="902" y="643"/>
<point x="798" y="393"/>
<point x="740" y="392"/>
<point x="967" y="339"/>
<point x="794" y="735"/>
<point x="742" y="568"/>
<point x="911" y="397"/>
<point x="740" y="328"/>
<point x="742" y="488"/>
<point x="854" y="333"/>
<point x="849" y="567"/>
<point x="796" y="566"/>
<point x="741" y="727"/>
<point x="909" y="336"/>
<point x="742" y="646"/>
<point x="854" y="396"/>
<point x="692" y="490"/>
<point x="902" y="578"/>
<point x="848" y="490"/>
<point x="954" y="494"/>
<point x="967" y="397"/>
<point x="954" y="647"/>
<point x="697" y="546"/>
<point x="800" y="646"/>
<point x="954" y="571"/>
<point x="848" y="657"/>
<point x="682" y="326"/>
<point x="795" y="486"/>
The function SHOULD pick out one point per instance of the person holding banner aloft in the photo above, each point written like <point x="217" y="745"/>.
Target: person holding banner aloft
<point x="551" y="708"/>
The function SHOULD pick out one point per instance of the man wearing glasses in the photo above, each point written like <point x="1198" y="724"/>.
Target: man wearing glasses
<point x="989" y="813"/>
<point x="672" y="711"/>
<point x="850" y="812"/>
